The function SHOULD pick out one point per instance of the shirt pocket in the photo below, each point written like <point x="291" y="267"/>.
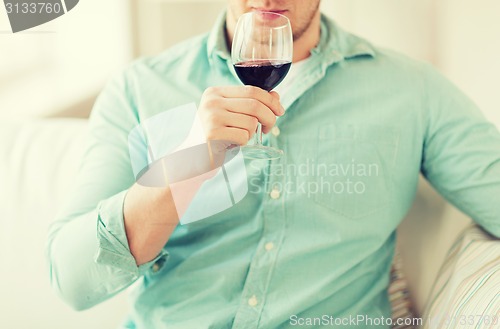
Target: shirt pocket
<point x="354" y="168"/>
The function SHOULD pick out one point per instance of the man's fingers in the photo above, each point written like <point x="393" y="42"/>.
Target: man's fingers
<point x="242" y="121"/>
<point x="253" y="108"/>
<point x="275" y="94"/>
<point x="235" y="135"/>
<point x="269" y="99"/>
<point x="232" y="113"/>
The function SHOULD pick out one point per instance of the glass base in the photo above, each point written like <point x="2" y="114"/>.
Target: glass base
<point x="261" y="152"/>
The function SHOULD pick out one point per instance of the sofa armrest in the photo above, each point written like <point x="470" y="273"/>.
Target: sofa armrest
<point x="424" y="237"/>
<point x="466" y="290"/>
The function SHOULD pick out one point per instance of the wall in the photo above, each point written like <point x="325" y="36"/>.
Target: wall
<point x="461" y="38"/>
<point x="469" y="50"/>
<point x="64" y="62"/>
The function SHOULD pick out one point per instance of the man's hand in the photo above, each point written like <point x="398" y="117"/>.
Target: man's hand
<point x="228" y="114"/>
<point x="232" y="113"/>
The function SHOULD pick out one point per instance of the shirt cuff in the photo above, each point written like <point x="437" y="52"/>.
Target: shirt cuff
<point x="113" y="249"/>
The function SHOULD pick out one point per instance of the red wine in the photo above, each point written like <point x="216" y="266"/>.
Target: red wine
<point x="262" y="73"/>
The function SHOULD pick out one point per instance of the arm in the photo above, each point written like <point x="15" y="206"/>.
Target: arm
<point x="88" y="253"/>
<point x="462" y="153"/>
<point x="226" y="113"/>
<point x="112" y="231"/>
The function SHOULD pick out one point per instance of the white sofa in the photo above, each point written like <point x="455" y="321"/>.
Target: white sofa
<point x="38" y="161"/>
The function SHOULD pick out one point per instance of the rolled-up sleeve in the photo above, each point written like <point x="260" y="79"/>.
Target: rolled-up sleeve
<point x="87" y="250"/>
<point x="461" y="152"/>
<point x="113" y="249"/>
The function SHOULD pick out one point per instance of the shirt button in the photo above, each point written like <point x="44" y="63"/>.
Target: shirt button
<point x="253" y="301"/>
<point x="275" y="131"/>
<point x="269" y="246"/>
<point x="158" y="265"/>
<point x="275" y="194"/>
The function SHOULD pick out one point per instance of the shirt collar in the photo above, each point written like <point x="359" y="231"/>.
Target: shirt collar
<point x="335" y="44"/>
<point x="216" y="43"/>
<point x="340" y="45"/>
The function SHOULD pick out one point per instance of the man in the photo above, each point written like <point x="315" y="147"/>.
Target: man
<point x="362" y="121"/>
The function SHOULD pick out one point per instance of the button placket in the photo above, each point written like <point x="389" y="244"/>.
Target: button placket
<point x="275" y="193"/>
<point x="253" y="301"/>
<point x="262" y="265"/>
<point x="274" y="223"/>
<point x="271" y="138"/>
<point x="275" y="131"/>
<point x="158" y="265"/>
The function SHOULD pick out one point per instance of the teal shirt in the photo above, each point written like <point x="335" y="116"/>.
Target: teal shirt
<point x="315" y="235"/>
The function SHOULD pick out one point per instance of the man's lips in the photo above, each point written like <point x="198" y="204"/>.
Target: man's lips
<point x="269" y="13"/>
<point x="276" y="11"/>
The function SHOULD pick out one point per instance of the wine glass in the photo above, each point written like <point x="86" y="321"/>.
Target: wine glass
<point x="262" y="52"/>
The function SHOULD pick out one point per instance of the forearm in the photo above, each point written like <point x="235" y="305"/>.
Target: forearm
<point x="88" y="248"/>
<point x="89" y="257"/>
<point x="150" y="218"/>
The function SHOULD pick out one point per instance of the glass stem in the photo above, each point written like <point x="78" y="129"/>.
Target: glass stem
<point x="257" y="137"/>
